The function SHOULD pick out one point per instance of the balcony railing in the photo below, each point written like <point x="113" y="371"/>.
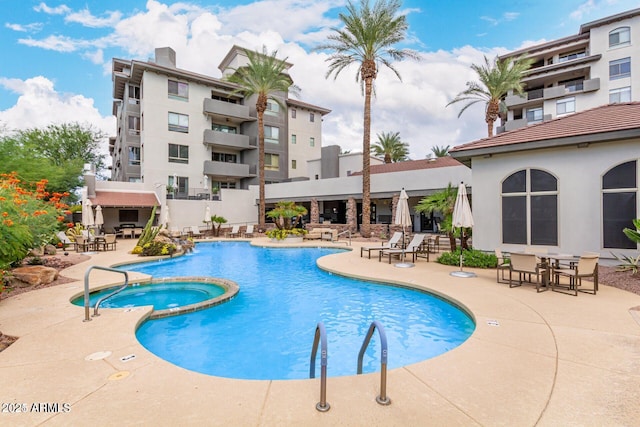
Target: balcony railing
<point x="229" y="140"/>
<point x="234" y="170"/>
<point x="234" y="113"/>
<point x="193" y="193"/>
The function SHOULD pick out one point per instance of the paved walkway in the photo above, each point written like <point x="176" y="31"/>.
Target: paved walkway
<point x="535" y="359"/>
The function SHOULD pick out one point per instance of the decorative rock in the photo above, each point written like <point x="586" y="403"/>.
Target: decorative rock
<point x="34" y="275"/>
<point x="50" y="250"/>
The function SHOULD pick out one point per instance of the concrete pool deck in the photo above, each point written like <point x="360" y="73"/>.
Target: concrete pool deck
<point x="544" y="359"/>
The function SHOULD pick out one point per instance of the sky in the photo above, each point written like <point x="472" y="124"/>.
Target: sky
<point x="56" y="57"/>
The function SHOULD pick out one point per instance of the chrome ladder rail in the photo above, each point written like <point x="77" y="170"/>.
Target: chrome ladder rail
<point x="87" y="318"/>
<point x="382" y="399"/>
<point x="348" y="233"/>
<point x="320" y="335"/>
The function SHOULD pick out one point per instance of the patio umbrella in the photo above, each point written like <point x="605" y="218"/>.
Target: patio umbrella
<point x="462" y="218"/>
<point x="403" y="218"/>
<point x="165" y="216"/>
<point x="99" y="218"/>
<point x="87" y="214"/>
<point x="207" y="215"/>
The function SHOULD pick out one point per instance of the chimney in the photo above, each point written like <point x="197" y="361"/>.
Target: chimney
<point x="166" y="57"/>
<point x="90" y="180"/>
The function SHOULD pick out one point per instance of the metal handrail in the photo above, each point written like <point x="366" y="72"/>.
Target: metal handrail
<point x="320" y="335"/>
<point x="348" y="232"/>
<point x="382" y="398"/>
<point x="87" y="318"/>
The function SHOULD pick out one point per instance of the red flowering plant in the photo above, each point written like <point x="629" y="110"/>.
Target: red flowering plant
<point x="29" y="218"/>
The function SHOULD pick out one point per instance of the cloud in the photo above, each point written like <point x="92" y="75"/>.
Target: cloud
<point x="28" y="28"/>
<point x="507" y="16"/>
<point x="60" y="10"/>
<point x="584" y="9"/>
<point x="57" y="43"/>
<point x="85" y="18"/>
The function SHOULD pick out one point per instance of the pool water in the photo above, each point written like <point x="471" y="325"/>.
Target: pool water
<point x="160" y="295"/>
<point x="267" y="330"/>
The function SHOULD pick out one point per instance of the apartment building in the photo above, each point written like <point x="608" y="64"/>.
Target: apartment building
<point x="193" y="135"/>
<point x="597" y="66"/>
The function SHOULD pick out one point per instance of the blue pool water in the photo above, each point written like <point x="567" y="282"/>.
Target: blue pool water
<point x="267" y="330"/>
<point x="160" y="295"/>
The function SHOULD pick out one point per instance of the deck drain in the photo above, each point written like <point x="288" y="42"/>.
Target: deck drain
<point x="493" y="323"/>
<point x="98" y="355"/>
<point x="128" y="358"/>
<point x="119" y="375"/>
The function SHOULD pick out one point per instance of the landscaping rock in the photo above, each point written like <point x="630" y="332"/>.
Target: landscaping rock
<point x="33" y="275"/>
<point x="50" y="250"/>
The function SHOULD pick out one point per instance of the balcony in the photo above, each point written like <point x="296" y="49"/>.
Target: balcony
<point x="552" y="92"/>
<point x="226" y="169"/>
<point x="226" y="111"/>
<point x="227" y="140"/>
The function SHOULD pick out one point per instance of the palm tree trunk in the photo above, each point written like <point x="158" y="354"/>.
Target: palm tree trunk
<point x="261" y="195"/>
<point x="365" y="228"/>
<point x="493" y="111"/>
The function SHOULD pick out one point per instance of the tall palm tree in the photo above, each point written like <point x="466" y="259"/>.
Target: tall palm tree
<point x="440" y="151"/>
<point x="367" y="39"/>
<point x="496" y="80"/>
<point x="391" y="146"/>
<point x="262" y="77"/>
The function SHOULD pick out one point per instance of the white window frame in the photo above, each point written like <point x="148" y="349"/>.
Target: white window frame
<point x="312" y="141"/>
<point x="133" y="125"/>
<point x="294" y="164"/>
<point x="622" y="94"/>
<point x="294" y="138"/>
<point x="134" y="156"/>
<point x="534" y="110"/>
<point x="178" y="122"/>
<point x="623" y="35"/>
<point x="566" y="105"/>
<point x="293" y="113"/>
<point x="271" y="162"/>
<point x="572" y="56"/>
<point x="273" y="109"/>
<point x="182" y="89"/>
<point x="179" y="158"/>
<point x="312" y="117"/>
<point x="619" y="64"/>
<point x="271" y="134"/>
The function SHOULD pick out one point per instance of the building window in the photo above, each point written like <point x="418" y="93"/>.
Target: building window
<point x="312" y="117"/>
<point x="293" y="164"/>
<point x="272" y="108"/>
<point x="572" y="85"/>
<point x="534" y="115"/>
<point x="572" y="55"/>
<point x="134" y="156"/>
<point x="179" y="122"/>
<point x="135" y="179"/>
<point x="224" y="184"/>
<point x="530" y="208"/>
<point x="178" y="89"/>
<point x="128" y="215"/>
<point x="622" y="94"/>
<point x="178" y="153"/>
<point x="312" y="142"/>
<point x="566" y="105"/>
<point x="293" y="138"/>
<point x="271" y="162"/>
<point x="134" y="94"/>
<point x="620" y="37"/>
<point x="619" y="202"/>
<point x="223" y="98"/>
<point x="178" y="186"/>
<point x="133" y="125"/>
<point x="224" y="128"/>
<point x="224" y="157"/>
<point x="293" y="113"/>
<point x="272" y="134"/>
<point x="619" y="68"/>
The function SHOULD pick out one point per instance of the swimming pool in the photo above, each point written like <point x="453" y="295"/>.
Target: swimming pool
<point x="266" y="331"/>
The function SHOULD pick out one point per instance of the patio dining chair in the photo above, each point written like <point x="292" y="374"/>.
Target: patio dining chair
<point x="501" y="266"/>
<point x="587" y="266"/>
<point x="527" y="264"/>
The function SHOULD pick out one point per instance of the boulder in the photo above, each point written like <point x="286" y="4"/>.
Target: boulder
<point x="33" y="275"/>
<point x="50" y="250"/>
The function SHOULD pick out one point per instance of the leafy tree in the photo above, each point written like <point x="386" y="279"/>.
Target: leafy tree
<point x="440" y="151"/>
<point x="217" y="221"/>
<point x="56" y="153"/>
<point x="367" y="39"/>
<point x="496" y="80"/>
<point x="284" y="212"/>
<point x="262" y="77"/>
<point x="443" y="202"/>
<point x="391" y="146"/>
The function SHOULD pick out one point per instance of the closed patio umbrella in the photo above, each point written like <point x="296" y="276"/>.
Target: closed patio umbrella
<point x="165" y="216"/>
<point x="87" y="214"/>
<point x="462" y="218"/>
<point x="99" y="218"/>
<point x="403" y="218"/>
<point x="207" y="215"/>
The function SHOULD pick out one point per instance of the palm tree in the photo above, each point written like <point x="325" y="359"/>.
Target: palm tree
<point x="367" y="39"/>
<point x="262" y="77"/>
<point x="443" y="202"/>
<point x="390" y="145"/>
<point x="496" y="80"/>
<point x="440" y="151"/>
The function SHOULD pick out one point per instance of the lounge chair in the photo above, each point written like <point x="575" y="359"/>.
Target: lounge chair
<point x="249" y="231"/>
<point x="414" y="248"/>
<point x="587" y="266"/>
<point x="235" y="231"/>
<point x="527" y="264"/>
<point x="392" y="243"/>
<point x="64" y="239"/>
<point x="194" y="231"/>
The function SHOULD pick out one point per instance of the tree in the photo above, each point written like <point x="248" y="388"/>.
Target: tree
<point x="440" y="151"/>
<point x="496" y="80"/>
<point x="56" y="153"/>
<point x="391" y="146"/>
<point x="367" y="39"/>
<point x="262" y="77"/>
<point x="443" y="202"/>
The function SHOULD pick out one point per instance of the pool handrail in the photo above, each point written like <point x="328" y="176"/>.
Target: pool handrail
<point x="320" y="335"/>
<point x="382" y="399"/>
<point x="87" y="318"/>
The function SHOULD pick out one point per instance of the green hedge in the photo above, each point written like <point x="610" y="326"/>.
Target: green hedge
<point x="470" y="258"/>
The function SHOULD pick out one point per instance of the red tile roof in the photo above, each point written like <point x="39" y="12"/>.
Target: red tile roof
<point x="409" y="165"/>
<point x="588" y="124"/>
<point x="121" y="199"/>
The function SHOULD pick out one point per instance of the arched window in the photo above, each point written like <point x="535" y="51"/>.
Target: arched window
<point x="619" y="204"/>
<point x="530" y="208"/>
<point x="620" y="36"/>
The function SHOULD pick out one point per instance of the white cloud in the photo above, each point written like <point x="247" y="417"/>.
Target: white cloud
<point x="584" y="9"/>
<point x="60" y="10"/>
<point x="57" y="43"/>
<point x="34" y="27"/>
<point x="85" y="18"/>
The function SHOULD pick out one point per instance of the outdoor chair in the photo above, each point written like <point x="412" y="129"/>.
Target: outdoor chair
<point x="83" y="244"/>
<point x="127" y="232"/>
<point x="587" y="266"/>
<point x="64" y="239"/>
<point x="235" y="231"/>
<point x="501" y="267"/>
<point x="414" y="248"/>
<point x="108" y="242"/>
<point x="436" y="243"/>
<point x="194" y="231"/>
<point x="392" y="243"/>
<point x="527" y="264"/>
<point x="249" y="231"/>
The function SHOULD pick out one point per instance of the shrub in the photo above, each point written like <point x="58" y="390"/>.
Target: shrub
<point x="470" y="258"/>
<point x="279" y="233"/>
<point x="157" y="248"/>
<point x="137" y="250"/>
